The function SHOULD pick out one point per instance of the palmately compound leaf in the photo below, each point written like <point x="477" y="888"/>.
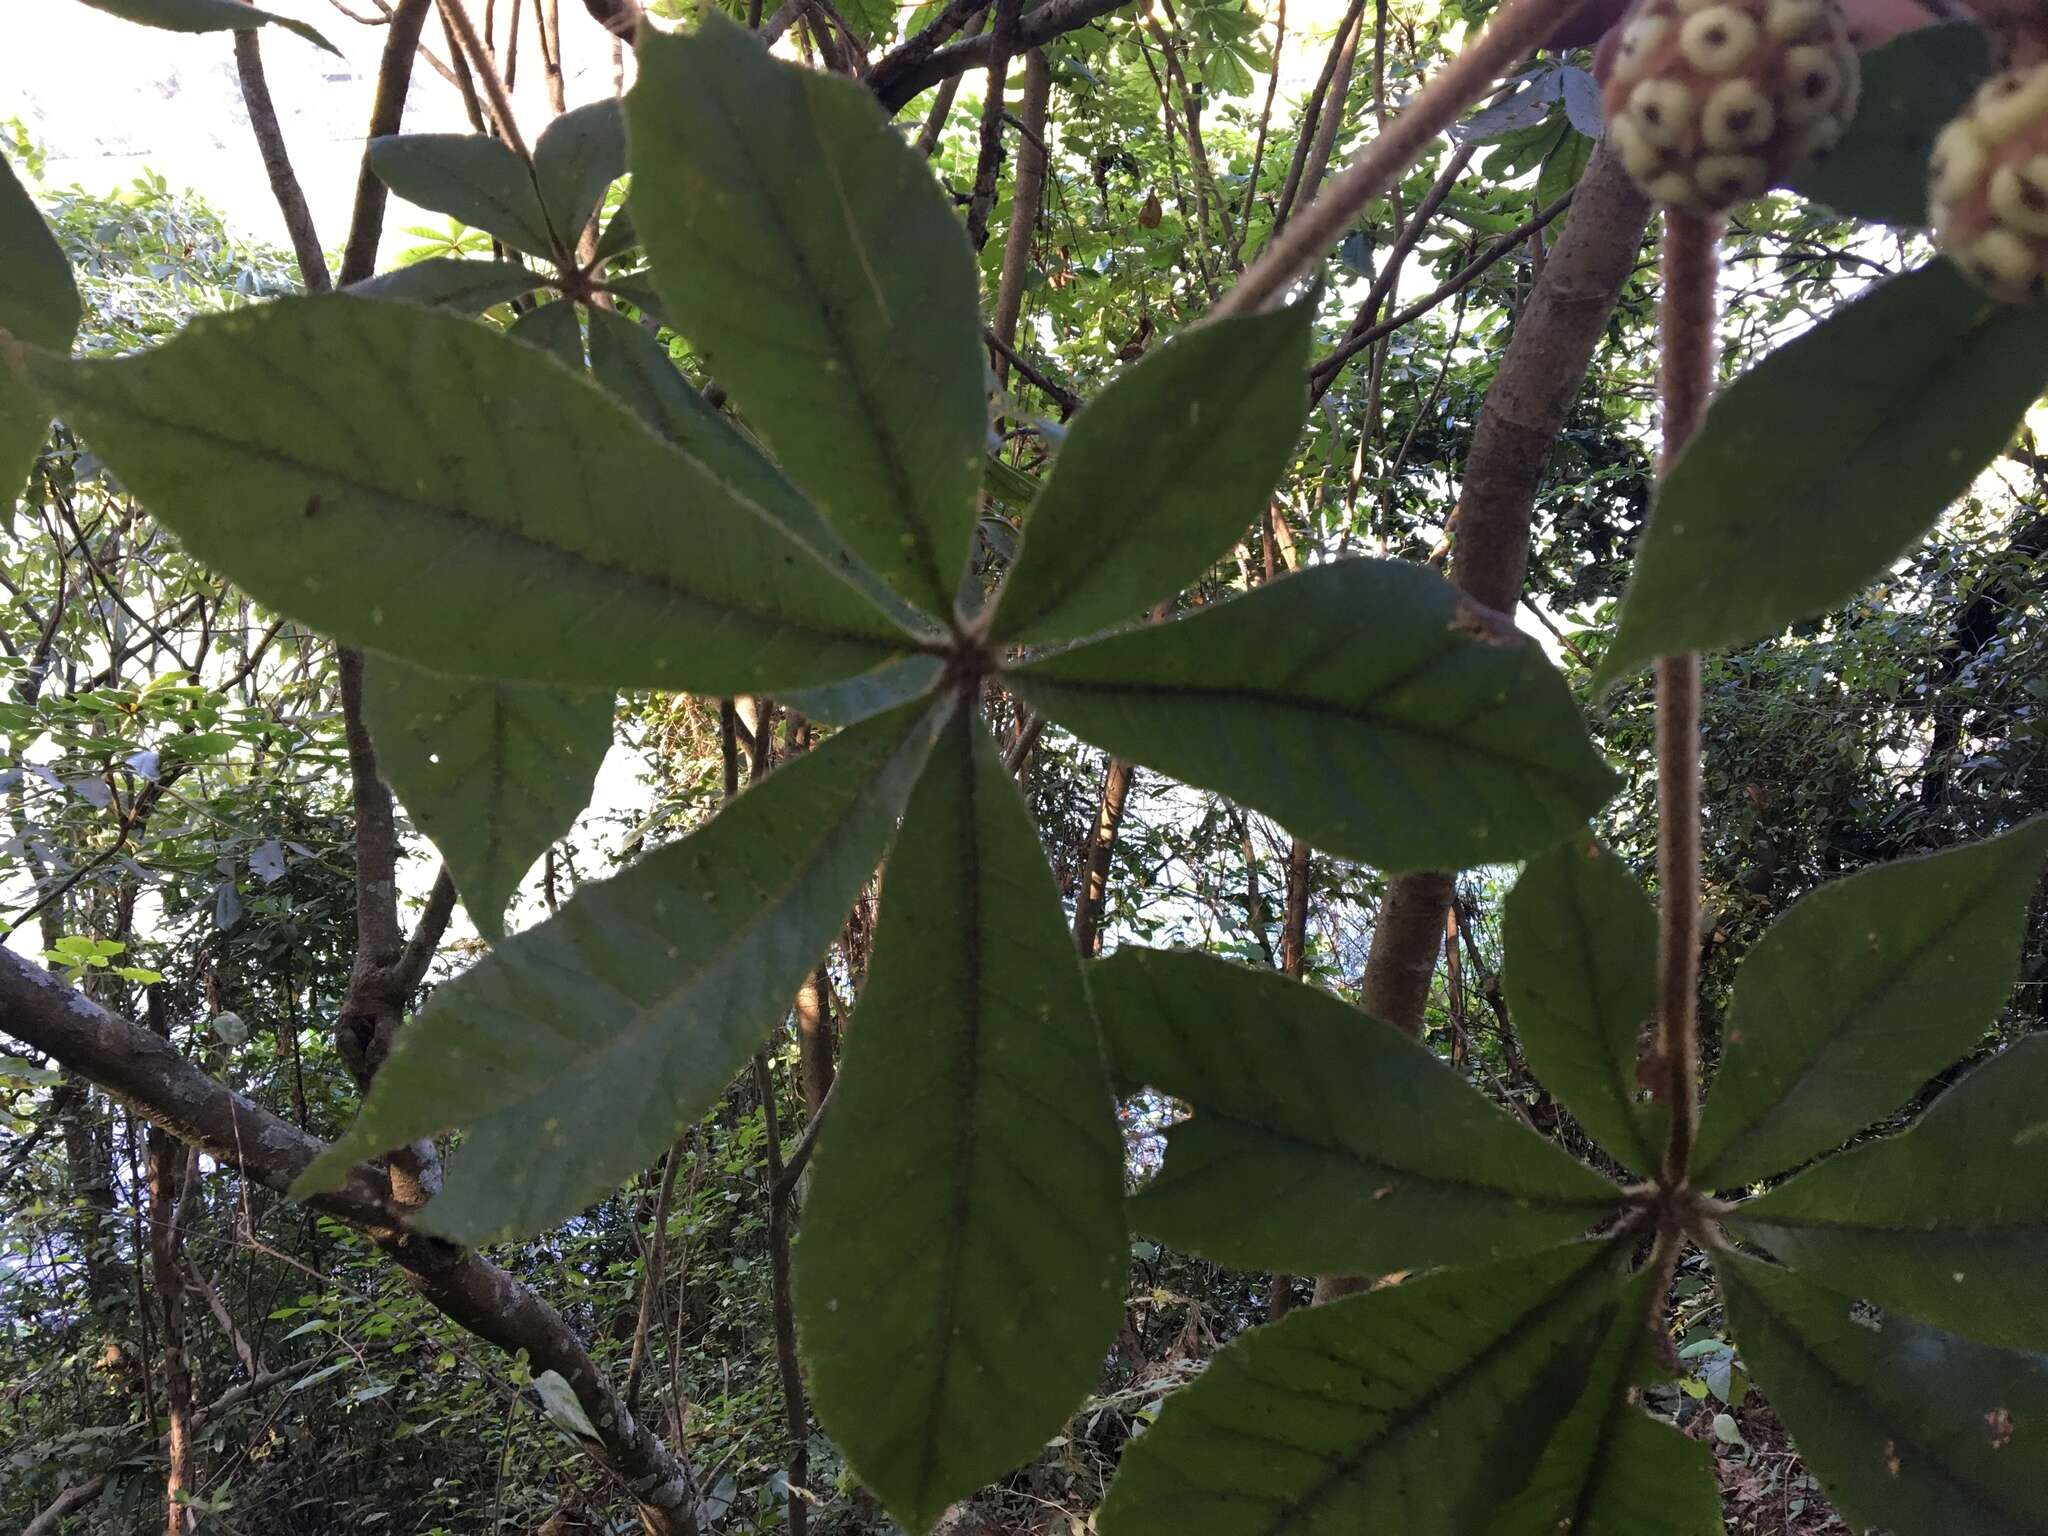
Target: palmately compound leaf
<point x="1322" y="1141"/>
<point x="1909" y="1428"/>
<point x="1156" y="478"/>
<point x="492" y="772"/>
<point x="577" y="1050"/>
<point x="1913" y="87"/>
<point x="1608" y="1469"/>
<point x="1354" y="704"/>
<point x="637" y="371"/>
<point x="205" y="16"/>
<point x="1947" y="1221"/>
<point x="1901" y="398"/>
<point x="474" y="178"/>
<point x="39" y="305"/>
<point x="961" y="1270"/>
<point x="578" y="157"/>
<point x="417" y="484"/>
<point x="1418" y="1409"/>
<point x="806" y="249"/>
<point x="1858" y="995"/>
<point x="1580" y="975"/>
<point x="467" y="287"/>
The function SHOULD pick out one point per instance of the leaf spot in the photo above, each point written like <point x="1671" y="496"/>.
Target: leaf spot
<point x="1999" y="1422"/>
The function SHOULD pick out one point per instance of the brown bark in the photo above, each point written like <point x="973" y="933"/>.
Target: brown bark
<point x="1026" y="198"/>
<point x="173" y="1093"/>
<point x="1116" y="792"/>
<point x="166" y="1161"/>
<point x="1543" y="368"/>
<point x="814" y="1039"/>
<point x="795" y="1408"/>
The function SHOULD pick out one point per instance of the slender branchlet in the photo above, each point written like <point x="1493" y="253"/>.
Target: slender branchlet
<point x="1516" y="27"/>
<point x="458" y="21"/>
<point x="1686" y="325"/>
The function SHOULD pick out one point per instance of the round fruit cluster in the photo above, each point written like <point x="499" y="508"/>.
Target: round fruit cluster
<point x="1709" y="102"/>
<point x="1988" y="186"/>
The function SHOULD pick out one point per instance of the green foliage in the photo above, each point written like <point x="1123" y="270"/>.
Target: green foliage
<point x="1860" y="993"/>
<point x="1912" y="1221"/>
<point x="579" y="156"/>
<point x="1334" y="1419"/>
<point x="465" y="286"/>
<point x="1158" y="476"/>
<point x="965" y="1241"/>
<point x="1905" y="1425"/>
<point x="1581" y="939"/>
<point x="478" y="180"/>
<point x="38" y="304"/>
<point x="1357" y="704"/>
<point x="414" y="550"/>
<point x="635" y="1004"/>
<point x="1277" y="1167"/>
<point x="492" y="771"/>
<point x="1912" y="87"/>
<point x="205" y="16"/>
<point x="805" y="249"/>
<point x="1902" y="398"/>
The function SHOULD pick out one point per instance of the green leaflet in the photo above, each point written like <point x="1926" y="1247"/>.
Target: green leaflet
<point x="205" y="16"/>
<point x="1913" y="87"/>
<point x="1947" y="1221"/>
<point x="555" y="328"/>
<point x="1322" y="1141"/>
<point x="806" y="249"/>
<point x="38" y="304"/>
<point x="1608" y="1470"/>
<point x="467" y="287"/>
<point x="1581" y="983"/>
<point x="961" y="1267"/>
<point x="886" y="686"/>
<point x="1158" y="475"/>
<point x="478" y="180"/>
<point x="578" y="157"/>
<point x="578" y="1049"/>
<point x="1901" y="399"/>
<point x="635" y="368"/>
<point x="1907" y="1427"/>
<point x="1351" y="703"/>
<point x="1338" y="1418"/>
<point x="418" y="484"/>
<point x="1856" y="996"/>
<point x="493" y="772"/>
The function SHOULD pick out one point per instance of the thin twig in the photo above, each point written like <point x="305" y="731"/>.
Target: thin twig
<point x="1515" y="28"/>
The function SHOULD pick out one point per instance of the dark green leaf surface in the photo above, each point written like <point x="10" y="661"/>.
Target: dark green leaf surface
<point x="1913" y="87"/>
<point x="38" y="304"/>
<point x="1857" y="996"/>
<point x="555" y="328"/>
<point x="1159" y="475"/>
<point x="1322" y="1141"/>
<point x="1947" y="1221"/>
<point x="1581" y="982"/>
<point x="805" y="247"/>
<point x="415" y="483"/>
<point x="1907" y="1427"/>
<point x="1416" y="1410"/>
<point x="205" y="16"/>
<point x="961" y="1270"/>
<point x="636" y="369"/>
<point x="492" y="772"/>
<point x="1354" y="705"/>
<point x="890" y="684"/>
<point x="478" y="180"/>
<point x="577" y="1050"/>
<point x="1901" y="398"/>
<point x="579" y="156"/>
<point x="467" y="287"/>
<point x="1608" y="1470"/>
